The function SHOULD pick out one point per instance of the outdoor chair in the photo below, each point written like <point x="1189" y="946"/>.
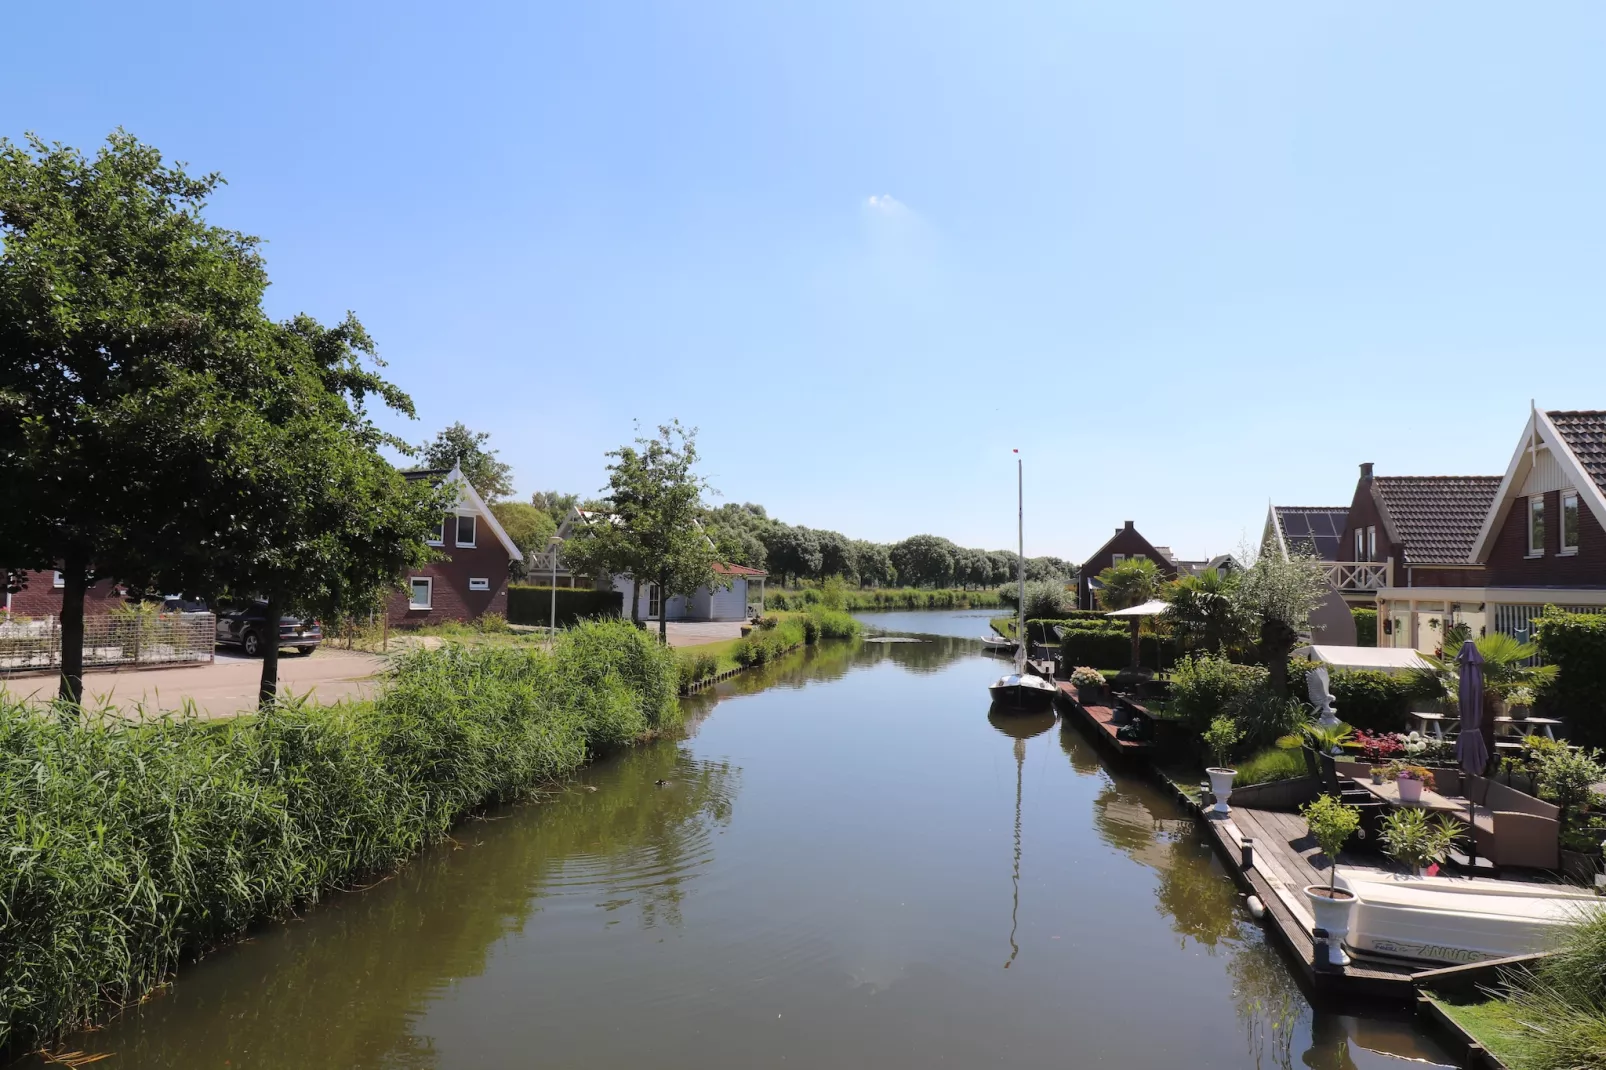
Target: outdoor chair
<point x="1512" y="828"/>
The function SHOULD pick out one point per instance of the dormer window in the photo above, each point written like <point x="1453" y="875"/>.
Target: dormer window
<point x="1360" y="544"/>
<point x="1569" y="521"/>
<point x="1371" y="542"/>
<point x="438" y="536"/>
<point x="466" y="529"/>
<point x="1536" y="526"/>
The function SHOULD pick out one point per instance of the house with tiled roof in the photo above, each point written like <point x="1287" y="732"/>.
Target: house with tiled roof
<point x="1497" y="549"/>
<point x="1126" y="544"/>
<point x="742" y="595"/>
<point x="469" y="575"/>
<point x="1319" y="531"/>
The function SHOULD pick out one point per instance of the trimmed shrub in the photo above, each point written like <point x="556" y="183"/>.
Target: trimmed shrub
<point x="1100" y="648"/>
<point x="1205" y="687"/>
<point x="132" y="846"/>
<point x="533" y="605"/>
<point x="1365" y="626"/>
<point x="1269" y="765"/>
<point x="1365" y="698"/>
<point x="1576" y="644"/>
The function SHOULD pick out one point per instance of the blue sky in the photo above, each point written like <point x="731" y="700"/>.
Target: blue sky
<point x="1188" y="257"/>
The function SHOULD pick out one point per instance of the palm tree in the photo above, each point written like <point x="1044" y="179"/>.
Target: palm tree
<point x="1131" y="583"/>
<point x="1506" y="667"/>
<point x="1203" y="611"/>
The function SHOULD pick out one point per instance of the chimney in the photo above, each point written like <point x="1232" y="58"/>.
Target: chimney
<point x="1128" y="526"/>
<point x="1366" y="471"/>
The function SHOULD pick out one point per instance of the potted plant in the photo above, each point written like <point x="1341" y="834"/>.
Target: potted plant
<point x="1411" y="779"/>
<point x="1413" y="837"/>
<point x="1332" y="824"/>
<point x="1379" y="772"/>
<point x="1219" y="739"/>
<point x="1520" y="702"/>
<point x="1089" y="684"/>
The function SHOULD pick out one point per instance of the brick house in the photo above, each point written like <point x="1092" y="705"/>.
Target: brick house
<point x="1125" y="544"/>
<point x="470" y="579"/>
<point x="41" y="592"/>
<point x="1540" y="539"/>
<point x="1319" y="530"/>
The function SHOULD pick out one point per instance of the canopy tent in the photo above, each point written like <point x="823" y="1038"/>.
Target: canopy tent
<point x="1380" y="658"/>
<point x="1147" y="609"/>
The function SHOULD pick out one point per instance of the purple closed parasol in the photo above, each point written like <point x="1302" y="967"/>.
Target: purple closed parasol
<point x="1470" y="748"/>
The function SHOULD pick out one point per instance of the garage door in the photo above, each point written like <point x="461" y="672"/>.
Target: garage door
<point x="729" y="604"/>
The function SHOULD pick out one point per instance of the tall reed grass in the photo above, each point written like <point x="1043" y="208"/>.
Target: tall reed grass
<point x="130" y="847"/>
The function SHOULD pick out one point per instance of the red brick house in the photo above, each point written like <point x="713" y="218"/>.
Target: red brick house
<point x="1540" y="539"/>
<point x="1125" y="544"/>
<point x="471" y="577"/>
<point x="41" y="593"/>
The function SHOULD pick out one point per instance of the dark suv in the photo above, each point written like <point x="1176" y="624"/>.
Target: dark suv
<point x="247" y="628"/>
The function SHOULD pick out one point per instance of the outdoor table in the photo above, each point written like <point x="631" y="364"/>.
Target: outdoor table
<point x="1389" y="792"/>
<point x="1435" y="722"/>
<point x="1527" y="726"/>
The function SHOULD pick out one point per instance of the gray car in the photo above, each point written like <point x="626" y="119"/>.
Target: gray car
<point x="247" y="628"/>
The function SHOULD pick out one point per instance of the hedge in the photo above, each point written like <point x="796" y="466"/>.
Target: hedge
<point x="1112" y="648"/>
<point x="132" y="847"/>
<point x="1364" y="698"/>
<point x="1365" y="626"/>
<point x="528" y="604"/>
<point x="1576" y="644"/>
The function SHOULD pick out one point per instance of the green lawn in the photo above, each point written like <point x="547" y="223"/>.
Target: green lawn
<point x="1491" y="1025"/>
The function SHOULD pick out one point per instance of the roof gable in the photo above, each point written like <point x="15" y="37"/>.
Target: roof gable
<point x="1321" y="527"/>
<point x="1576" y="440"/>
<point x="1435" y="518"/>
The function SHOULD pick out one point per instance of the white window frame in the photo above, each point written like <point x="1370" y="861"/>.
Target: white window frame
<point x="412" y="592"/>
<point x="457" y="533"/>
<point x="1360" y="544"/>
<point x="1139" y="557"/>
<point x="1116" y="559"/>
<point x="1539" y="501"/>
<point x="1371" y="542"/>
<point x="440" y="534"/>
<point x="1566" y="497"/>
<point x="58" y="581"/>
<point x="655" y="602"/>
<point x="479" y="583"/>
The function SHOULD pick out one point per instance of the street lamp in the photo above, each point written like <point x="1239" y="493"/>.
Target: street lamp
<point x="553" y="545"/>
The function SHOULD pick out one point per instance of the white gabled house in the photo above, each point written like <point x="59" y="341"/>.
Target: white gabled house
<point x="743" y="598"/>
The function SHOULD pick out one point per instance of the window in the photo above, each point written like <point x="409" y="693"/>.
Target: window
<point x="438" y="536"/>
<point x="1360" y="545"/>
<point x="466" y="529"/>
<point x="59" y="580"/>
<point x="1569" y="522"/>
<point x="1536" y="526"/>
<point x="478" y="584"/>
<point x="1137" y="557"/>
<point x="1116" y="559"/>
<point x="1371" y="542"/>
<point x="423" y="588"/>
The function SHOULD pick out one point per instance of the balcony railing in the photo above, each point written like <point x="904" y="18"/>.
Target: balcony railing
<point x="1358" y="575"/>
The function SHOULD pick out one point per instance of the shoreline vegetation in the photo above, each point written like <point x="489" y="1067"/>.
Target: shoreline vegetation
<point x="135" y="848"/>
<point x="776" y="635"/>
<point x="855" y="600"/>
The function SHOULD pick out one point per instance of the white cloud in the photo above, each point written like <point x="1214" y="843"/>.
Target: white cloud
<point x="886" y="204"/>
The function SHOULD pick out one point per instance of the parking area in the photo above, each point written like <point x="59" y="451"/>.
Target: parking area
<point x="225" y="687"/>
<point x="696" y="633"/>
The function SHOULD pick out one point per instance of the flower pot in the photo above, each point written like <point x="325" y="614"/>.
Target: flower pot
<point x="1410" y="790"/>
<point x="1090" y="695"/>
<point x="1332" y="910"/>
<point x="1377" y="778"/>
<point x="1221" y="787"/>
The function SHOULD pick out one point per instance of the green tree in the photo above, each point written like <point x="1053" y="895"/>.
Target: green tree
<point x="792" y="552"/>
<point x="113" y="288"/>
<point x="457" y="446"/>
<point x="555" y="504"/>
<point x="836" y="555"/>
<point x="1131" y="583"/>
<point x="924" y="561"/>
<point x="529" y="527"/>
<point x="1204" y="612"/>
<point x="1275" y="596"/>
<point x="875" y="564"/>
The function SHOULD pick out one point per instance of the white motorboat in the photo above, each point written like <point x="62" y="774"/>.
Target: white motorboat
<point x="1021" y="690"/>
<point x="997" y="644"/>
<point x="1457" y="920"/>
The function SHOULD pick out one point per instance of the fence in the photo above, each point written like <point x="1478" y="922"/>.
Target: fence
<point x="110" y="639"/>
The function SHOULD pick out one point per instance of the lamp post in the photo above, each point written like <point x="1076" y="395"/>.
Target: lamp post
<point x="553" y="545"/>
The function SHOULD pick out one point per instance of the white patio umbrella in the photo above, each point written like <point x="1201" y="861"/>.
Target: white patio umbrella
<point x="1152" y="608"/>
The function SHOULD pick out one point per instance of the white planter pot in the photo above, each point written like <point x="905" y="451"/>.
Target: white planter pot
<point x="1410" y="790"/>
<point x="1221" y="787"/>
<point x="1332" y="914"/>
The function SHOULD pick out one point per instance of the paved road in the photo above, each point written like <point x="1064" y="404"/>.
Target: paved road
<point x="226" y="686"/>
<point x="686" y="633"/>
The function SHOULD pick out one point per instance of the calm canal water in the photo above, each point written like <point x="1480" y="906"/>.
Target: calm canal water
<point x="852" y="864"/>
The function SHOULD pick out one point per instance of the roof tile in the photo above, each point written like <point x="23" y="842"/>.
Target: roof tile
<point x="1437" y="517"/>
<point x="1585" y="434"/>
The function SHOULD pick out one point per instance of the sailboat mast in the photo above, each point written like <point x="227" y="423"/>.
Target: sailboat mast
<point x="1020" y="546"/>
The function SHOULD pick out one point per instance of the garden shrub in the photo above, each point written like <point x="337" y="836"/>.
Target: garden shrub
<point x="1262" y="716"/>
<point x="1206" y="686"/>
<point x="1101" y="649"/>
<point x="132" y="846"/>
<point x="1576" y="644"/>
<point x="1269" y="765"/>
<point x="1365" y="626"/>
<point x="1364" y="698"/>
<point x="531" y="605"/>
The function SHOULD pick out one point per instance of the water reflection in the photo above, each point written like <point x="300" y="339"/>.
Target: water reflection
<point x="1020" y="726"/>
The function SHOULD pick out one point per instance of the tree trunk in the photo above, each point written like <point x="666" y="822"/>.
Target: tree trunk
<point x="663" y="609"/>
<point x="1135" y="645"/>
<point x="74" y="571"/>
<point x="1276" y="642"/>
<point x="635" y="602"/>
<point x="268" y="687"/>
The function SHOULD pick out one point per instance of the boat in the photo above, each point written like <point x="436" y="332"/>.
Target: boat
<point x="1458" y="920"/>
<point x="1021" y="690"/>
<point x="997" y="644"/>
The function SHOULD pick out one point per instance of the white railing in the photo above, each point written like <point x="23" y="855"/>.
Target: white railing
<point x="1358" y="575"/>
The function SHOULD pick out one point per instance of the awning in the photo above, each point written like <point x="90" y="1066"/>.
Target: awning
<point x="1147" y="609"/>
<point x="1380" y="658"/>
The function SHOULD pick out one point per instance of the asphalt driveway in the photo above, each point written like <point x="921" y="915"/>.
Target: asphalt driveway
<point x="225" y="687"/>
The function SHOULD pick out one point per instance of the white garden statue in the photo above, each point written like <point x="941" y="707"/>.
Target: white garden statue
<point x="1321" y="696"/>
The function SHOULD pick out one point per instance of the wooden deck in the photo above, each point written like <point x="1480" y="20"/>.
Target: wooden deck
<point x="1103" y="721"/>
<point x="1286" y="859"/>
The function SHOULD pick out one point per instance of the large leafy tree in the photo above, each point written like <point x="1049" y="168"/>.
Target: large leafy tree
<point x="792" y="552"/>
<point x="1276" y="596"/>
<point x="1131" y="583"/>
<point x="458" y="446"/>
<point x="529" y="527"/>
<point x="924" y="560"/>
<point x="874" y="560"/>
<point x="836" y="555"/>
<point x="113" y="288"/>
<point x="1204" y="612"/>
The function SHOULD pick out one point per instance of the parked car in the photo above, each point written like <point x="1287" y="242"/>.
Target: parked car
<point x="247" y="628"/>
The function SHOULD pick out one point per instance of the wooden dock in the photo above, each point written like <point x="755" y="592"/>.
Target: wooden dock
<point x="1285" y="861"/>
<point x="1105" y="723"/>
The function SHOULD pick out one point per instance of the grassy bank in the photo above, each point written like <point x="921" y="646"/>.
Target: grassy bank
<point x="776" y="634"/>
<point x="859" y="601"/>
<point x="132" y="848"/>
